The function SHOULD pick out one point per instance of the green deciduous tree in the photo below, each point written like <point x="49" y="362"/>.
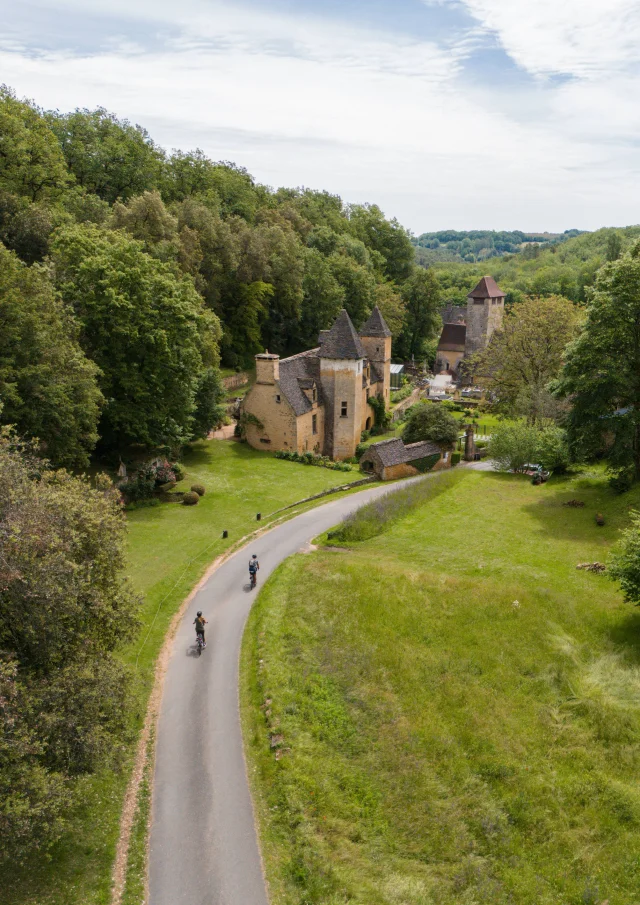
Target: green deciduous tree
<point x="386" y="237"/>
<point x="429" y="421"/>
<point x="513" y="445"/>
<point x="146" y="329"/>
<point x="421" y="297"/>
<point x="624" y="562"/>
<point x="107" y="156"/>
<point x="31" y="161"/>
<point x="64" y="608"/>
<point x="601" y="376"/>
<point x="24" y="227"/>
<point x="48" y="387"/>
<point x="527" y="354"/>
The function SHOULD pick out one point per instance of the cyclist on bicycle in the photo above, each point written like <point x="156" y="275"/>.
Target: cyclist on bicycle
<point x="254" y="565"/>
<point x="200" y="623"/>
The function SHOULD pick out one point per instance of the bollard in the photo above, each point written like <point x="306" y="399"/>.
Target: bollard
<point x="258" y="516"/>
<point x="225" y="533"/>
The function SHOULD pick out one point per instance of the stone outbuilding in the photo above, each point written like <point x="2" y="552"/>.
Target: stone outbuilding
<point x="318" y="401"/>
<point x="392" y="459"/>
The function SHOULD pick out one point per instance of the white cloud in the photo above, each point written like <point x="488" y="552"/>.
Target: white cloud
<point x="583" y="38"/>
<point x="372" y="116"/>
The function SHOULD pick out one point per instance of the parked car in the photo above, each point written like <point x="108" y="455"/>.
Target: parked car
<point x="536" y="472"/>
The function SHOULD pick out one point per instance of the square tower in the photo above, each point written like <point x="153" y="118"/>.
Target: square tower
<point x="485" y="311"/>
<point x="341" y="361"/>
<point x="376" y="340"/>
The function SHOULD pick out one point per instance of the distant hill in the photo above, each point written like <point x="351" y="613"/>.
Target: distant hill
<point x="479" y="245"/>
<point x="567" y="268"/>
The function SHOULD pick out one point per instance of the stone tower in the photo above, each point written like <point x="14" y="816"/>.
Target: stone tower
<point x="485" y="310"/>
<point x="376" y="339"/>
<point x="341" y="358"/>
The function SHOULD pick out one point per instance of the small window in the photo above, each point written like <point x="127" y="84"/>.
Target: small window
<point x="278" y="398"/>
<point x="343" y="410"/>
<point x="377" y="348"/>
<point x="264" y="440"/>
<point x="315" y="395"/>
<point x="314" y="424"/>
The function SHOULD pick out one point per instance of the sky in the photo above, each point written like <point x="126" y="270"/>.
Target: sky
<point x="448" y="114"/>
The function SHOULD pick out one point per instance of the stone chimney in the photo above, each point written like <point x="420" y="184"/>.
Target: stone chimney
<point x="267" y="368"/>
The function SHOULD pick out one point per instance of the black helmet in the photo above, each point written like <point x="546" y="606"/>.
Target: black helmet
<point x="199" y="612"/>
<point x="254" y="556"/>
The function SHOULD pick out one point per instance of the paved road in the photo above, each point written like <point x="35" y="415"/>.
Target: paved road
<point x="203" y="848"/>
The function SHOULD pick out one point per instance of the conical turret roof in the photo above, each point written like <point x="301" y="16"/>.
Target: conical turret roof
<point x="342" y="341"/>
<point x="376" y="325"/>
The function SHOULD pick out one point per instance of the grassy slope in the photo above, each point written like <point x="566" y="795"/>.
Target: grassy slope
<point x="447" y="745"/>
<point x="170" y="546"/>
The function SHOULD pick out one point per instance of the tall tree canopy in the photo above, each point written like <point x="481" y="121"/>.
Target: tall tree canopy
<point x="31" y="160"/>
<point x="527" y="354"/>
<point x="64" y="609"/>
<point x="421" y="297"/>
<point x="48" y="387"/>
<point x="601" y="375"/>
<point x="107" y="156"/>
<point x="146" y="329"/>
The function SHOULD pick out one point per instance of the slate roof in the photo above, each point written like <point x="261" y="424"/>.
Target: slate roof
<point x="452" y="338"/>
<point x="342" y="341"/>
<point x="297" y="373"/>
<point x="394" y="452"/>
<point x="487" y="288"/>
<point x="376" y="325"/>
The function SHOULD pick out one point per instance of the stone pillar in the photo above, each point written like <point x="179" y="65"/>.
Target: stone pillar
<point x="469" y="444"/>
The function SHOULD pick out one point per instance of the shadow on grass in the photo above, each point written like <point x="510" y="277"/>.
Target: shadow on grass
<point x="625" y="634"/>
<point x="548" y="507"/>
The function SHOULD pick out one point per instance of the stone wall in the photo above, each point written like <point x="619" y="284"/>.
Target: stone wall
<point x="278" y="418"/>
<point x="482" y="320"/>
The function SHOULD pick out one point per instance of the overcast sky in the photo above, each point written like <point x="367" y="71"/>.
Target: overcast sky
<point x="459" y="114"/>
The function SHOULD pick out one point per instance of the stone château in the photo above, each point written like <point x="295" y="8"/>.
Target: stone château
<point x="317" y="401"/>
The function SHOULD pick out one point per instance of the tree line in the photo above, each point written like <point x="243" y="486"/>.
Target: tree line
<point x="481" y="244"/>
<point x="128" y="275"/>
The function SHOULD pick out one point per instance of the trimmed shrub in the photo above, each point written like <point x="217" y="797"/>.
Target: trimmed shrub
<point x="191" y="498"/>
<point x="199" y="489"/>
<point x="360" y="451"/>
<point x="455" y="458"/>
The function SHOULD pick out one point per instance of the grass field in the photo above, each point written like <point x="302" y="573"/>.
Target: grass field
<point x="456" y="707"/>
<point x="169" y="548"/>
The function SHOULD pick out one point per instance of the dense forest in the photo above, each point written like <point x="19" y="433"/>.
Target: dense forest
<point x="128" y="274"/>
<point x="568" y="269"/>
<point x="480" y="244"/>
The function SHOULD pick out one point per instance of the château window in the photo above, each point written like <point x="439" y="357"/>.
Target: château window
<point x="278" y="398"/>
<point x="314" y="424"/>
<point x="343" y="410"/>
<point x="315" y="394"/>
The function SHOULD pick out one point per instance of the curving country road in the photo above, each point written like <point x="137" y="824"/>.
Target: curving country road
<point x="203" y="847"/>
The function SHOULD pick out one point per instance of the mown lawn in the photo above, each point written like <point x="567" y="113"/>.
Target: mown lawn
<point x="456" y="706"/>
<point x="169" y="548"/>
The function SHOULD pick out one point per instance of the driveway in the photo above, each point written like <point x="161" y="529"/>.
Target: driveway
<point x="203" y="847"/>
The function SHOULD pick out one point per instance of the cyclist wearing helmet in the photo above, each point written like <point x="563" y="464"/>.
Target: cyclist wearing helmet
<point x="200" y="623"/>
<point x="254" y="565"/>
